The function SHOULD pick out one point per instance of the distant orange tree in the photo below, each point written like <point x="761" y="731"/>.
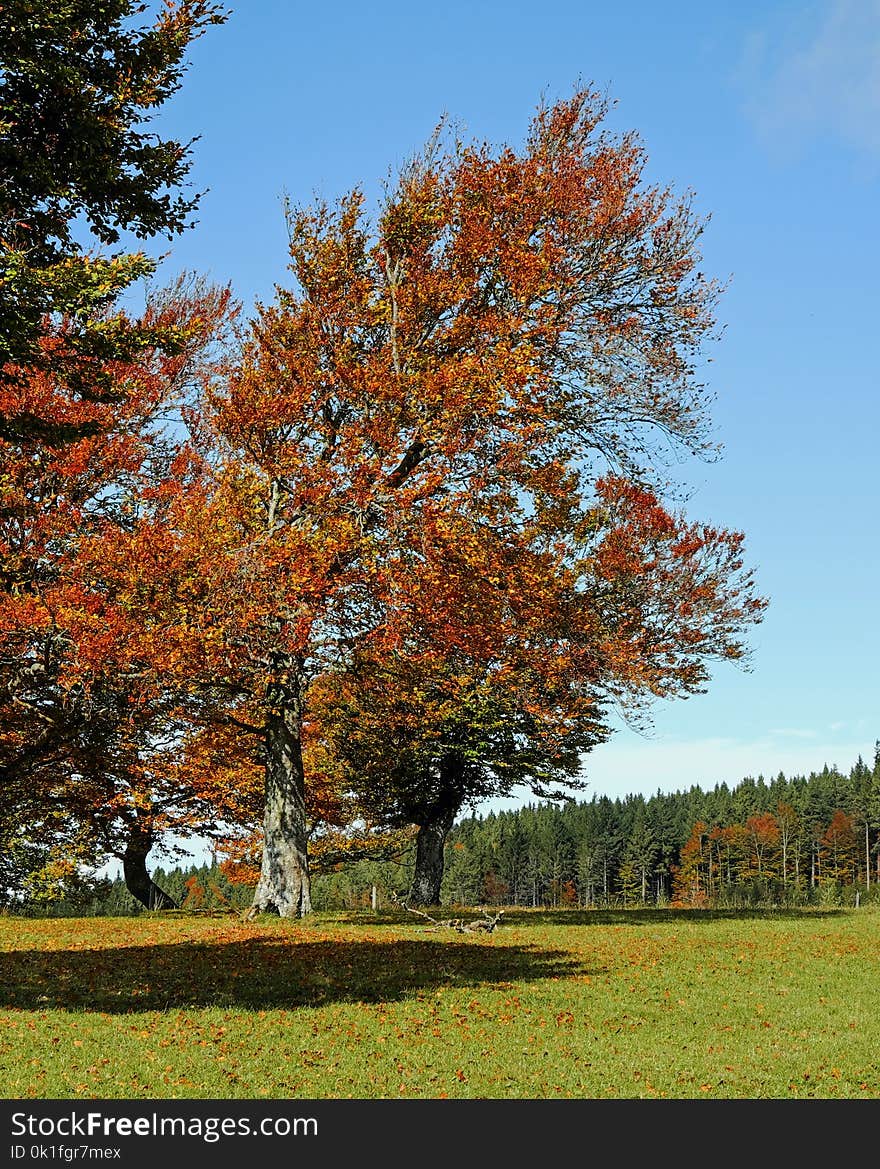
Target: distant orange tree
<point x="690" y="876"/>
<point x="839" y="848"/>
<point x="762" y="833"/>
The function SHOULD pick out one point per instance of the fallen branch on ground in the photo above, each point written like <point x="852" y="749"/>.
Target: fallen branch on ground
<point x="484" y="924"/>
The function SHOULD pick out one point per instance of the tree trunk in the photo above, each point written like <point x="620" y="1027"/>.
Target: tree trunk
<point x="430" y="841"/>
<point x="434" y="827"/>
<point x="284" y="886"/>
<point x="134" y="869"/>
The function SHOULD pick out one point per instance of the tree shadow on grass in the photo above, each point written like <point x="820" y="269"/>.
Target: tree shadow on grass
<point x="261" y="973"/>
<point x="646" y="916"/>
<point x="521" y="916"/>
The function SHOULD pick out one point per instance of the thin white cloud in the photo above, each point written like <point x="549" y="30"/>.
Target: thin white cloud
<point x="817" y="76"/>
<point x="793" y="733"/>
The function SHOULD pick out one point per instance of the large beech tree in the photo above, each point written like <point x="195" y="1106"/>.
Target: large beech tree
<point x="430" y="406"/>
<point x="637" y="612"/>
<point x="418" y="739"/>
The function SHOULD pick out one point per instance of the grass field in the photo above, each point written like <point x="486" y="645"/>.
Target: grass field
<point x="553" y="1004"/>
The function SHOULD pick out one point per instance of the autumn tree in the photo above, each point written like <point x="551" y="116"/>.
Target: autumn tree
<point x="731" y="847"/>
<point x="79" y="83"/>
<point x="690" y="875"/>
<point x="79" y="721"/>
<point x="515" y="325"/>
<point x="762" y="833"/>
<point x="839" y="848"/>
<point x="420" y="737"/>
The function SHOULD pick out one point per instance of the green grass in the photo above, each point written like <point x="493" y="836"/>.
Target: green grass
<point x="564" y="1004"/>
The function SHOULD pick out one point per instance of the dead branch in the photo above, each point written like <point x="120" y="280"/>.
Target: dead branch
<point x="484" y="924"/>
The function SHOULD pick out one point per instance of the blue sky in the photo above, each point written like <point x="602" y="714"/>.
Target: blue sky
<point x="770" y="112"/>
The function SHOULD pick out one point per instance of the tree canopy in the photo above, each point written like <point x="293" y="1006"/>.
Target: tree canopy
<point x="402" y="538"/>
<point x="447" y="437"/>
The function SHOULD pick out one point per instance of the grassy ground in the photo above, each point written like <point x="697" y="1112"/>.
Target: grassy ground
<point x="554" y="1004"/>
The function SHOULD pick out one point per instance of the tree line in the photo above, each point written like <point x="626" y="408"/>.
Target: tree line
<point x="811" y="839"/>
<point x="787" y="840"/>
<point x="803" y="840"/>
<point x="310" y="577"/>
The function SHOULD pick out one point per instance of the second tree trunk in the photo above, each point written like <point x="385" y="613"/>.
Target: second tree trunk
<point x="137" y="879"/>
<point x="430" y="843"/>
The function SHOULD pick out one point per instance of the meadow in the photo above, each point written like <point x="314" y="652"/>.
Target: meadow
<point x="596" y="1004"/>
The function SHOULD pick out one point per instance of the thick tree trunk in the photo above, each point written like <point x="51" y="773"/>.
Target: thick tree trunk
<point x="137" y="879"/>
<point x="434" y="827"/>
<point x="430" y="842"/>
<point x="283" y="886"/>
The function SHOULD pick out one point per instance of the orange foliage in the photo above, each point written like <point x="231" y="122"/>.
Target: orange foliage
<point x="87" y="457"/>
<point x="838" y="847"/>
<point x="689" y="877"/>
<point x="409" y="455"/>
